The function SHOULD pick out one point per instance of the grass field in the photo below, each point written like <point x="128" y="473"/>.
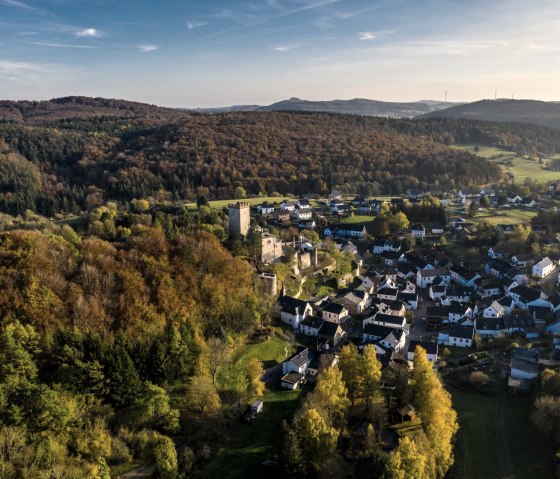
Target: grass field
<point x="497" y="439"/>
<point x="247" y="446"/>
<point x="506" y="216"/>
<point x="522" y="167"/>
<point x="219" y="204"/>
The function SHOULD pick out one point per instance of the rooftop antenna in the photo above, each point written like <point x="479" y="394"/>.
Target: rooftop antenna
<point x="512" y="96"/>
<point x="445" y="96"/>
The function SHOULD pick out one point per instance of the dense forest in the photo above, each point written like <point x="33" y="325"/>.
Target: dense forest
<point x="94" y="334"/>
<point x="73" y="154"/>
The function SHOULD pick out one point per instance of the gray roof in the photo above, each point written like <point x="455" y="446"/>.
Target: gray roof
<point x="301" y="357"/>
<point x="465" y="332"/>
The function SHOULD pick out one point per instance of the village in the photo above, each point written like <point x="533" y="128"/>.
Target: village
<point x="417" y="286"/>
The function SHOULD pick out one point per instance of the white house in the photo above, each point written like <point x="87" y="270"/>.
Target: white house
<point x="426" y="277"/>
<point x="334" y="312"/>
<point x="543" y="268"/>
<point x="288" y="205"/>
<point x="418" y="231"/>
<point x="524" y="296"/>
<point x="310" y="325"/>
<point x="386" y="245"/>
<point x="265" y="209"/>
<point x="431" y="349"/>
<point x="495" y="310"/>
<point x="389" y="321"/>
<point x="299" y="362"/>
<point x="460" y="336"/>
<point x="524" y="363"/>
<point x="294" y="311"/>
<point x="302" y="214"/>
<point x="489" y="327"/>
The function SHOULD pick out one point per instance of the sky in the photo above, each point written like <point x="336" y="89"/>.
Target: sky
<point x="204" y="53"/>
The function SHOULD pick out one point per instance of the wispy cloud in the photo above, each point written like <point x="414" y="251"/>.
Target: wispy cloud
<point x="195" y="24"/>
<point x="367" y="35"/>
<point x="147" y="48"/>
<point x="61" y="45"/>
<point x="19" y="4"/>
<point x="7" y="66"/>
<point x="88" y="32"/>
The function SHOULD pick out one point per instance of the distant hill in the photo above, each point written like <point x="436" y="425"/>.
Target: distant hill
<point x="76" y="107"/>
<point x="360" y="106"/>
<point x="222" y="109"/>
<point x="517" y="111"/>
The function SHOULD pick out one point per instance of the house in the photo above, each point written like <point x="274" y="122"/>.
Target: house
<point x="524" y="296"/>
<point x="415" y="194"/>
<point x="460" y="336"/>
<point x="334" y="312"/>
<point x="457" y="223"/>
<point x="288" y="205"/>
<point x="458" y="294"/>
<point x="320" y="362"/>
<point x="519" y="323"/>
<point x="495" y="310"/>
<point x="488" y="288"/>
<point x="553" y="327"/>
<point x="426" y="277"/>
<point x="418" y="231"/>
<point x="310" y="325"/>
<point x="389" y="294"/>
<point x="265" y="209"/>
<point x="332" y="333"/>
<point x="302" y="214"/>
<point x="498" y="252"/>
<point x="374" y="332"/>
<point x="293" y="310"/>
<point x="514" y="199"/>
<point x="489" y="327"/>
<point x="431" y="348"/>
<point x="292" y="380"/>
<point x="528" y="203"/>
<point x="521" y="260"/>
<point x="389" y="320"/>
<point x="436" y="292"/>
<point x="271" y="248"/>
<point x="410" y="300"/>
<point x="395" y="341"/>
<point x="298" y="362"/>
<point x="346" y="231"/>
<point x="543" y="268"/>
<point x="386" y="245"/>
<point x="356" y="301"/>
<point x="458" y="311"/>
<point x="303" y="204"/>
<point x="437" y="230"/>
<point x="464" y="276"/>
<point x="408" y="413"/>
<point x="524" y="364"/>
<point x="282" y="215"/>
<point x="359" y="200"/>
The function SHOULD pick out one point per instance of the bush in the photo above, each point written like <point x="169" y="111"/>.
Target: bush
<point x="479" y="380"/>
<point x="165" y="458"/>
<point x="120" y="454"/>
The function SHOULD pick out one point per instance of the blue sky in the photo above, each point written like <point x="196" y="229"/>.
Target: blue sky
<point x="213" y="52"/>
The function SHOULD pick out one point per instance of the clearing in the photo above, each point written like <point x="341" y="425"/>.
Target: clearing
<point x="521" y="167"/>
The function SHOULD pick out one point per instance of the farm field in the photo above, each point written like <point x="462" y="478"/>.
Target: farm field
<point x="497" y="439"/>
<point x="506" y="216"/>
<point x="522" y="167"/>
<point x="219" y="204"/>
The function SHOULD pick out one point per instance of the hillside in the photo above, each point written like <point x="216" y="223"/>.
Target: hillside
<point x="73" y="107"/>
<point x="73" y="164"/>
<point x="516" y="111"/>
<point x="359" y="106"/>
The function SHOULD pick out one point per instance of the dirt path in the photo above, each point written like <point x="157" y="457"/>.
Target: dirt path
<point x="144" y="472"/>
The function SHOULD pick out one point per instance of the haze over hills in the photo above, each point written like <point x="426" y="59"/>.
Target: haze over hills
<point x="504" y="110"/>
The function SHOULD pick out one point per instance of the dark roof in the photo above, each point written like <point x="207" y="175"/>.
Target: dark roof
<point x="526" y="354"/>
<point x="457" y="308"/>
<point x="408" y="297"/>
<point x="377" y="331"/>
<point x="312" y="321"/>
<point x="292" y="378"/>
<point x="519" y="321"/>
<point x="463" y="272"/>
<point x="388" y="291"/>
<point x="334" y="308"/>
<point x="490" y="324"/>
<point x="396" y="305"/>
<point x="436" y="311"/>
<point x="430" y="346"/>
<point x="465" y="332"/>
<point x="328" y="329"/>
<point x="525" y="293"/>
<point x="388" y="318"/>
<point x="418" y="227"/>
<point x="290" y="304"/>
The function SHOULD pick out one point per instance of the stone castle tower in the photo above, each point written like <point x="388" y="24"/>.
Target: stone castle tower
<point x="239" y="218"/>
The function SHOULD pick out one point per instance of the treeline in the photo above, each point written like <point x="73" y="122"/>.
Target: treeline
<point x="83" y="162"/>
<point x="341" y="428"/>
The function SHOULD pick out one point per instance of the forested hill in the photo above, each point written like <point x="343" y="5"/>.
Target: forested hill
<point x="73" y="107"/>
<point x="519" y="111"/>
<point x="77" y="163"/>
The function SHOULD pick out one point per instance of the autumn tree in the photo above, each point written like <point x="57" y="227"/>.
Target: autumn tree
<point x="433" y="404"/>
<point x="253" y="374"/>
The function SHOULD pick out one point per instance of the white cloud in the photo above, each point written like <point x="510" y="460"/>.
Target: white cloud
<point x="88" y="32"/>
<point x="7" y="66"/>
<point x="18" y="4"/>
<point x="195" y="24"/>
<point x="147" y="48"/>
<point x="367" y="35"/>
<point x="285" y="48"/>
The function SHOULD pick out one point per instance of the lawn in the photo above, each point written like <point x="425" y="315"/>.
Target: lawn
<point x="219" y="204"/>
<point x="522" y="167"/>
<point x="497" y="439"/>
<point x="506" y="216"/>
<point x="247" y="446"/>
